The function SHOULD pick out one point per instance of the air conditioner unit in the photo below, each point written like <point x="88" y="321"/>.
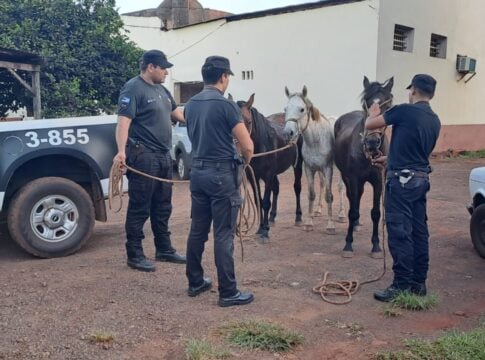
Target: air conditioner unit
<point x="465" y="64"/>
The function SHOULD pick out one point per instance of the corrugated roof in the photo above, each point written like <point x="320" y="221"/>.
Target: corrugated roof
<point x="18" y="56"/>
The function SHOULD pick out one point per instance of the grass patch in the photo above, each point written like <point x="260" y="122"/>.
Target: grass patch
<point x="453" y="346"/>
<point x="480" y="154"/>
<point x="262" y="336"/>
<point x="204" y="350"/>
<point x="392" y="311"/>
<point x="409" y="301"/>
<point x="101" y="337"/>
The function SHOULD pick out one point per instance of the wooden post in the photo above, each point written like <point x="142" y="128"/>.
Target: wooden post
<point x="36" y="88"/>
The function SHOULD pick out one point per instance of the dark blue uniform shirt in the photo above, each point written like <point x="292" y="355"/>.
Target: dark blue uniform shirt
<point x="210" y="120"/>
<point x="415" y="130"/>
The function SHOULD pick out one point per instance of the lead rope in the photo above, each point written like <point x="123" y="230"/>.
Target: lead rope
<point x="249" y="214"/>
<point x="351" y="287"/>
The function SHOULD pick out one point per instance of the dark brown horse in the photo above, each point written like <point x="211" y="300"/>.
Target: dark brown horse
<point x="268" y="134"/>
<point x="354" y="148"/>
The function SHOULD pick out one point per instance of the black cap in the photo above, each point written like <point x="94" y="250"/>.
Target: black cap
<point x="217" y="62"/>
<point x="424" y="82"/>
<point x="156" y="57"/>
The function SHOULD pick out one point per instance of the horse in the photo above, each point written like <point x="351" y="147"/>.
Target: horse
<point x="267" y="134"/>
<point x="303" y="119"/>
<point x="354" y="149"/>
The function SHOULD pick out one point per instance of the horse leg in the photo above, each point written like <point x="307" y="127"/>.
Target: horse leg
<point x="298" y="172"/>
<point x="328" y="170"/>
<point x="319" y="210"/>
<point x="257" y="200"/>
<point x="265" y="206"/>
<point x="274" y="204"/>
<point x="376" y="182"/>
<point x="341" y="211"/>
<point x="354" y="193"/>
<point x="310" y="176"/>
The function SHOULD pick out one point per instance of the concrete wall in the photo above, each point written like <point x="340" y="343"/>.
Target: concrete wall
<point x="456" y="102"/>
<point x="328" y="49"/>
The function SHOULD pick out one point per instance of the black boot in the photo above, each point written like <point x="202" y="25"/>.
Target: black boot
<point x="388" y="294"/>
<point x="172" y="257"/>
<point x="419" y="289"/>
<point x="141" y="264"/>
<point x="240" y="298"/>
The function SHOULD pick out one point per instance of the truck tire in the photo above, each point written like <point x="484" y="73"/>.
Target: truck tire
<point x="477" y="229"/>
<point x="51" y="217"/>
<point x="182" y="166"/>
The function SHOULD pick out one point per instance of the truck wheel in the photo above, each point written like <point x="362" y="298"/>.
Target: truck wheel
<point x="51" y="217"/>
<point x="477" y="229"/>
<point x="182" y="166"/>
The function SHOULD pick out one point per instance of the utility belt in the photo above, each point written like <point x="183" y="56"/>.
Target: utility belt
<point x="138" y="147"/>
<point x="236" y="165"/>
<point x="406" y="175"/>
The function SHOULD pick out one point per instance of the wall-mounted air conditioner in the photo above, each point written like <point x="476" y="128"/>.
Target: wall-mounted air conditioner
<point x="465" y="64"/>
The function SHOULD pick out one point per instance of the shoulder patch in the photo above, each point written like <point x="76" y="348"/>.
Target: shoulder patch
<point x="125" y="101"/>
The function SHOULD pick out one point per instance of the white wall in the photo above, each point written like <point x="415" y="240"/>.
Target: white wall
<point x="462" y="22"/>
<point x="328" y="49"/>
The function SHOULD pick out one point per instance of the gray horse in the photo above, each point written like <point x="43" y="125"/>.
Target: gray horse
<point x="303" y="119"/>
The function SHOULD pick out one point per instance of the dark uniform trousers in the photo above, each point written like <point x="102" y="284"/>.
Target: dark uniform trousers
<point x="215" y="198"/>
<point x="407" y="229"/>
<point x="148" y="198"/>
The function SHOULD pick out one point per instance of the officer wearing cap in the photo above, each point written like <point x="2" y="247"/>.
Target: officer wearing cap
<point x="212" y="123"/>
<point x="144" y="138"/>
<point x="415" y="130"/>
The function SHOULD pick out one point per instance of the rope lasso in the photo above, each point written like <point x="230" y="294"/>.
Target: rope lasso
<point x="350" y="287"/>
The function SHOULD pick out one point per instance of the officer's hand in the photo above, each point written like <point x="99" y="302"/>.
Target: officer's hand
<point x="121" y="158"/>
<point x="380" y="161"/>
<point x="374" y="110"/>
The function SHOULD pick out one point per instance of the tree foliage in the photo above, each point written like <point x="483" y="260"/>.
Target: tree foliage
<point x="88" y="55"/>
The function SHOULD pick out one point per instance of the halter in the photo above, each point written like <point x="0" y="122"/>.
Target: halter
<point x="380" y="132"/>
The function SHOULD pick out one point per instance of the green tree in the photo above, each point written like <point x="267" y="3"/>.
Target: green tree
<point x="88" y="55"/>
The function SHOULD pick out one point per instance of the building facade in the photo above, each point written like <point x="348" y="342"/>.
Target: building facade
<point x="329" y="46"/>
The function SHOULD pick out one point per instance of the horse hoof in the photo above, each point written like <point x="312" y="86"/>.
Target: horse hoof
<point x="377" y="255"/>
<point x="331" y="231"/>
<point x="341" y="219"/>
<point x="317" y="213"/>
<point x="271" y="223"/>
<point x="299" y="223"/>
<point x="347" y="254"/>
<point x="263" y="239"/>
<point x="357" y="228"/>
<point x="308" y="227"/>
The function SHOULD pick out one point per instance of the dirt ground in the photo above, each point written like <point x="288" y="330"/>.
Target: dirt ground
<point x="50" y="308"/>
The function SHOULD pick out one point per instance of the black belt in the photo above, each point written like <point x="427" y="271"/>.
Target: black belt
<point x="223" y="164"/>
<point x="406" y="173"/>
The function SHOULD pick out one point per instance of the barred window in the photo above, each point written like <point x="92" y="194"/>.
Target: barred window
<point x="437" y="46"/>
<point x="403" y="38"/>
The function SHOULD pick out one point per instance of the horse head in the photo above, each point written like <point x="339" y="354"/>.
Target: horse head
<point x="246" y="112"/>
<point x="375" y="93"/>
<point x="298" y="113"/>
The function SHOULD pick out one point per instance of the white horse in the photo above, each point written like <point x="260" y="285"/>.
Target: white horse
<point x="302" y="118"/>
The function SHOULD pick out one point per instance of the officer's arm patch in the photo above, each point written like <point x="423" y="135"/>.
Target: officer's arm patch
<point x="125" y="101"/>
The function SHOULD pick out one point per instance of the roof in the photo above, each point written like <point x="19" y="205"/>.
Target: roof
<point x="281" y="10"/>
<point x="18" y="56"/>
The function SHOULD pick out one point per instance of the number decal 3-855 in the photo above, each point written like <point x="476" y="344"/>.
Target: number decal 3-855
<point x="58" y="137"/>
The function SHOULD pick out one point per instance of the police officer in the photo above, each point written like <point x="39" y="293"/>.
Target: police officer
<point x="415" y="130"/>
<point x="212" y="123"/>
<point x="145" y="109"/>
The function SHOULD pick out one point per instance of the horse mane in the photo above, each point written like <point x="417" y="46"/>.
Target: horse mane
<point x="315" y="113"/>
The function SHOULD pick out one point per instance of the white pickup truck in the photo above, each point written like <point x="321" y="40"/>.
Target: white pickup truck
<point x="477" y="209"/>
<point x="54" y="177"/>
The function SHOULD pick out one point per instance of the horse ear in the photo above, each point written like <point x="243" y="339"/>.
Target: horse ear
<point x="389" y="84"/>
<point x="250" y="101"/>
<point x="305" y="91"/>
<point x="229" y="97"/>
<point x="287" y="92"/>
<point x="366" y="82"/>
